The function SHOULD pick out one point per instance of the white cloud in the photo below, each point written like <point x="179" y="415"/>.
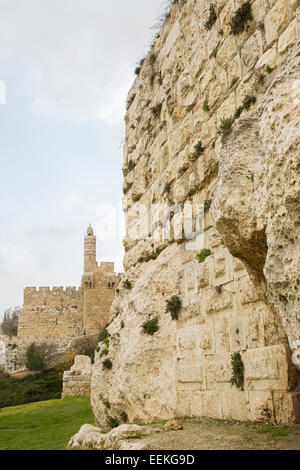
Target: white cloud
<point x="78" y="55"/>
<point x="74" y="202"/>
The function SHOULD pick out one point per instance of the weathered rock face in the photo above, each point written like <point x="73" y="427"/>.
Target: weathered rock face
<point x="144" y="366"/>
<point x="243" y="295"/>
<point x="259" y="169"/>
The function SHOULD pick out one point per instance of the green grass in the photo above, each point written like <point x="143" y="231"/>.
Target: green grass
<point x="275" y="432"/>
<point x="46" y="425"/>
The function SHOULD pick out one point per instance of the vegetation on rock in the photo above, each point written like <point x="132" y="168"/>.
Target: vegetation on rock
<point x="238" y="369"/>
<point x="150" y="327"/>
<point x="173" y="306"/>
<point x="107" y="364"/>
<point x="212" y="17"/>
<point x="201" y="257"/>
<point x="240" y="19"/>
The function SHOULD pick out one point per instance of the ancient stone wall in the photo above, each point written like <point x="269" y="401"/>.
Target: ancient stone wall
<point x="69" y="317"/>
<point x="77" y="381"/>
<point x="50" y="313"/>
<point x="212" y="120"/>
<point x="98" y="299"/>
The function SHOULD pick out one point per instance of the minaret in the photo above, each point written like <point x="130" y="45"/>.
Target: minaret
<point x="90" y="264"/>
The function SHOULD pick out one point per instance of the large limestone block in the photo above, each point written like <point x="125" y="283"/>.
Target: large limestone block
<point x="255" y="213"/>
<point x="141" y="381"/>
<point x="267" y="368"/>
<point x="277" y="19"/>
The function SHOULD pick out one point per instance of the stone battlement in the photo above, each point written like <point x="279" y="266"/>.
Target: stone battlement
<point x="56" y="295"/>
<point x="67" y="312"/>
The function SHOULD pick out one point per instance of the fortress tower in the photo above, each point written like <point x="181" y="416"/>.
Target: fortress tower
<point x="90" y="264"/>
<point x="60" y="314"/>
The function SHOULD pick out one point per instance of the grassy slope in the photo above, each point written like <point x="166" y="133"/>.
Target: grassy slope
<point x="46" y="425"/>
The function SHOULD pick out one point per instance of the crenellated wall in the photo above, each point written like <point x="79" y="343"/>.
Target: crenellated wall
<point x="59" y="315"/>
<point x="51" y="313"/>
<point x="180" y="153"/>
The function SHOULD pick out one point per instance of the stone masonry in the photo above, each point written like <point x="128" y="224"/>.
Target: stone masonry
<point x="77" y="381"/>
<point x="63" y="313"/>
<point x="244" y="172"/>
<point x="65" y="317"/>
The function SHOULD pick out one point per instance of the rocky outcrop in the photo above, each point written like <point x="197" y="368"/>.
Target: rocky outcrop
<point x="143" y="366"/>
<point x="212" y="121"/>
<point x="257" y="197"/>
<point x="91" y="437"/>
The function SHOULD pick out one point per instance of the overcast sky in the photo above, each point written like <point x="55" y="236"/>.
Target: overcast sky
<point x="67" y="66"/>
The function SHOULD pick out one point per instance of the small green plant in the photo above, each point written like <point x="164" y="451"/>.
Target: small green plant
<point x="137" y="435"/>
<point x="106" y="404"/>
<point x="214" y="52"/>
<point x="212" y="17"/>
<point x="207" y="205"/>
<point x="248" y="100"/>
<point x="152" y="78"/>
<point x="152" y="59"/>
<point x="104" y="352"/>
<point x="167" y="188"/>
<point x="103" y="335"/>
<point x="150" y="327"/>
<point x="124" y="417"/>
<point x="106" y="341"/>
<point x="139" y="67"/>
<point x="221" y="32"/>
<point x="131" y="165"/>
<point x="241" y="18"/>
<point x="201" y="257"/>
<point x="112" y="422"/>
<point x="173" y="306"/>
<point x="107" y="364"/>
<point x="156" y="110"/>
<point x="122" y="324"/>
<point x="238" y="370"/>
<point x="206" y="106"/>
<point x="127" y="284"/>
<point x="226" y="126"/>
<point x="269" y="69"/>
<point x="199" y="149"/>
<point x="207" y="228"/>
<point x="276" y="432"/>
<point x="238" y="112"/>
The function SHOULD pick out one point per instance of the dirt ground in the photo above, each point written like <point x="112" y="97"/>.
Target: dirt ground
<point x="209" y="434"/>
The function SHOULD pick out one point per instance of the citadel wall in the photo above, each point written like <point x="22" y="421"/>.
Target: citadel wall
<point x="51" y="313"/>
<point x="243" y="297"/>
<point x="66" y="317"/>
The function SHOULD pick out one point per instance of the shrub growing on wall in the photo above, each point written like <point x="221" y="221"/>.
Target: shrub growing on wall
<point x="107" y="364"/>
<point x="173" y="306"/>
<point x="103" y="333"/>
<point x="240" y="18"/>
<point x="201" y="257"/>
<point x="150" y="327"/>
<point x="238" y="369"/>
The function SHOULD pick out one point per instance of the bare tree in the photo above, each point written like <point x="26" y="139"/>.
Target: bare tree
<point x="9" y="325"/>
